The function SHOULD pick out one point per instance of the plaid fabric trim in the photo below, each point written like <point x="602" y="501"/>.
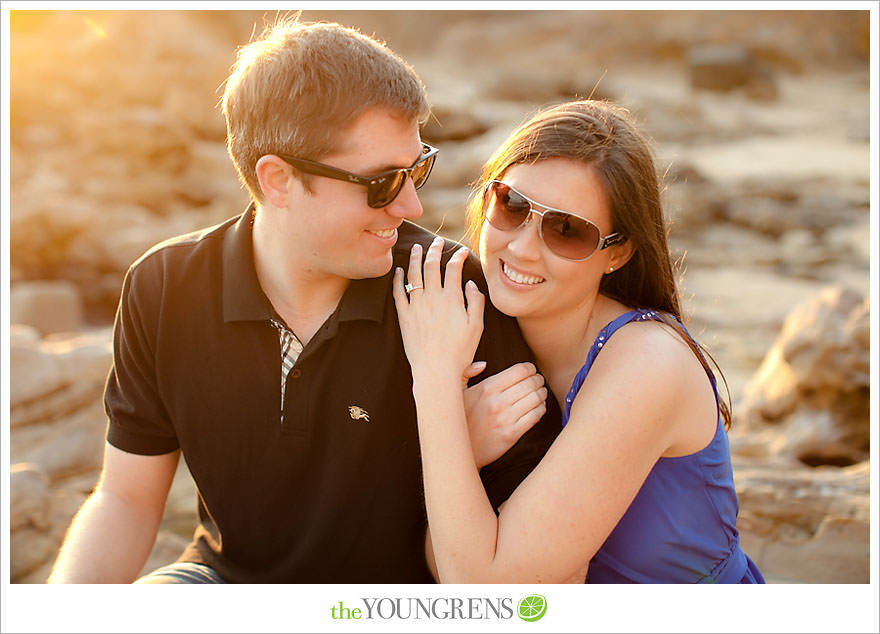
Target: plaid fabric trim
<point x="290" y="351"/>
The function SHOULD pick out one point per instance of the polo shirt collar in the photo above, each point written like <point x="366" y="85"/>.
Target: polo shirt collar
<point x="365" y="299"/>
<point x="244" y="299"/>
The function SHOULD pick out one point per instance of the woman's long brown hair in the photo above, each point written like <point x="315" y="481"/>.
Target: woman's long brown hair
<point x="603" y="135"/>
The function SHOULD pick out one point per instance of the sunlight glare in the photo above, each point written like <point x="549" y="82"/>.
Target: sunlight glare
<point x="96" y="28"/>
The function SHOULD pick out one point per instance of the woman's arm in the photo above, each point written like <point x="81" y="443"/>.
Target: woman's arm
<point x="440" y="336"/>
<point x="560" y="515"/>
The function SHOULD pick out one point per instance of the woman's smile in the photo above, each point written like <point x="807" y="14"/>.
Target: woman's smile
<point x="519" y="277"/>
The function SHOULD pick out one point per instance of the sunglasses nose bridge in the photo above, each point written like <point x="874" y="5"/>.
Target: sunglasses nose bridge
<point x="525" y="241"/>
<point x="534" y="211"/>
<point x="528" y="220"/>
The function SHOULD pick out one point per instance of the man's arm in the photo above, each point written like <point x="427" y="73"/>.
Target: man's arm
<point x="113" y="533"/>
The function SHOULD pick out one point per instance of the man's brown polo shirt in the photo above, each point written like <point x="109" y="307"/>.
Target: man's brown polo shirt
<point x="332" y="493"/>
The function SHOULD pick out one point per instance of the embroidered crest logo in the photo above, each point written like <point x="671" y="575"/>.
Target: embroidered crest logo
<point x="358" y="413"/>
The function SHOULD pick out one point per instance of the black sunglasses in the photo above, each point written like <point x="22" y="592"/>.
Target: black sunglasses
<point x="566" y="234"/>
<point x="382" y="188"/>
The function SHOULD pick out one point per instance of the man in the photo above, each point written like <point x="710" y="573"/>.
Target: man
<point x="266" y="349"/>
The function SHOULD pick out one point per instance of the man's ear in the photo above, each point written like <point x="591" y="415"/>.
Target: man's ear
<point x="275" y="180"/>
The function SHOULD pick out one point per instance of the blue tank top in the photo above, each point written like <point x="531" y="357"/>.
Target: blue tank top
<point x="681" y="526"/>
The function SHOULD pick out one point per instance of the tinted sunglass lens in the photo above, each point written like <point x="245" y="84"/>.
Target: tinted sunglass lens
<point x="566" y="235"/>
<point x="383" y="194"/>
<point x="421" y="171"/>
<point x="569" y="236"/>
<point x="507" y="209"/>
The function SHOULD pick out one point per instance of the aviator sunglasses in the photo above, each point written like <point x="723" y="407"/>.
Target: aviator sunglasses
<point x="567" y="235"/>
<point x="382" y="188"/>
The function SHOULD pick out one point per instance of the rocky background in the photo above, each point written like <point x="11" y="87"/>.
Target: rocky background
<point x="761" y="126"/>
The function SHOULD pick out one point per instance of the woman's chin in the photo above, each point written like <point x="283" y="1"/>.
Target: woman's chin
<point x="507" y="304"/>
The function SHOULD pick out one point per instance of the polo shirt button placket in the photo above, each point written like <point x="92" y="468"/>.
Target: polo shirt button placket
<point x="294" y="373"/>
<point x="290" y="351"/>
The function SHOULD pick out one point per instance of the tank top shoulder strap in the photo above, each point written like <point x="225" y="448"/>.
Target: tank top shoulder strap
<point x="638" y="314"/>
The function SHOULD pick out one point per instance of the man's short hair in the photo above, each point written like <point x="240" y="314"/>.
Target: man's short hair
<point x="298" y="87"/>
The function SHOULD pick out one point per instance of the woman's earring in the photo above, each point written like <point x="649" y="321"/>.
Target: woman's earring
<point x="611" y="269"/>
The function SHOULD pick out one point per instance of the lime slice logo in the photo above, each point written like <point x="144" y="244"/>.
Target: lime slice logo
<point x="532" y="607"/>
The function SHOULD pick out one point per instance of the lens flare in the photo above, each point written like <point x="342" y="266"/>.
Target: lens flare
<point x="96" y="28"/>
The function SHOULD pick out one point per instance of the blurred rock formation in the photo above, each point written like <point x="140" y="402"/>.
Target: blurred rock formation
<point x="727" y="68"/>
<point x="808" y="404"/>
<point x="805" y="525"/>
<point x="809" y="399"/>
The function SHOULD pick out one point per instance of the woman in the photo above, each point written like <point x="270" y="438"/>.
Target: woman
<point x="638" y="484"/>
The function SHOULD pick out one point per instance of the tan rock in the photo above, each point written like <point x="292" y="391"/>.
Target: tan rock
<point x="168" y="547"/>
<point x="851" y="241"/>
<point x="812" y="386"/>
<point x="86" y="356"/>
<point x="62" y="402"/>
<point x="801" y="251"/>
<point x="95" y="247"/>
<point x="462" y="162"/>
<point x="444" y="211"/>
<point x="838" y="553"/>
<point x="34" y="372"/>
<point x="714" y="246"/>
<point x="693" y="205"/>
<point x="72" y="444"/>
<point x="39" y="574"/>
<point x="763" y="213"/>
<point x="181" y="507"/>
<point x="63" y="506"/>
<point x="24" y="335"/>
<point x="29" y="548"/>
<point x="78" y="364"/>
<point x="34" y="548"/>
<point x="838" y="435"/>
<point x="79" y="484"/>
<point x="209" y="176"/>
<point x="48" y="306"/>
<point x="818" y="340"/>
<point x="452" y="124"/>
<point x="28" y="497"/>
<point x="777" y="394"/>
<point x="802" y="524"/>
<point x="722" y="68"/>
